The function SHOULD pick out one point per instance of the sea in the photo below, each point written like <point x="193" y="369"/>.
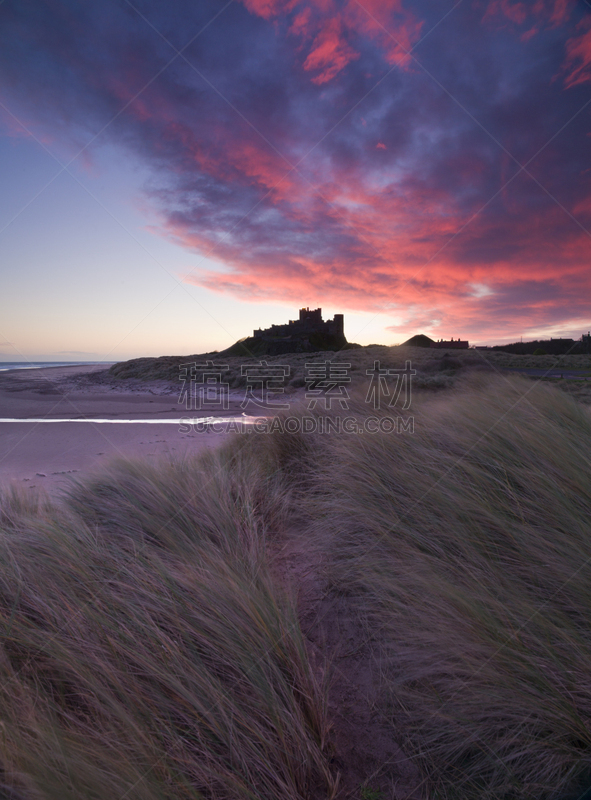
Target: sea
<point x="4" y="365"/>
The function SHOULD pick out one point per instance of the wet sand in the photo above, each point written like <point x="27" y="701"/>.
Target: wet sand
<point x="37" y="454"/>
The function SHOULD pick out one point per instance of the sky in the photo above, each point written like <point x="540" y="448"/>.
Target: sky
<point x="174" y="175"/>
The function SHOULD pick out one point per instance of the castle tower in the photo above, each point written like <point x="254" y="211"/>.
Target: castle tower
<point x="309" y="315"/>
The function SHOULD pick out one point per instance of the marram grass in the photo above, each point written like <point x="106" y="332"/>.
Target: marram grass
<point x="468" y="548"/>
<point x="148" y="651"/>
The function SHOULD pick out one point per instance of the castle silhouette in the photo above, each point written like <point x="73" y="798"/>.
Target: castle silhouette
<point x="308" y="334"/>
<point x="310" y="322"/>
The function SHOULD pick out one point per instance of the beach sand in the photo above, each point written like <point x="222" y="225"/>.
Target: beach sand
<point x="50" y="455"/>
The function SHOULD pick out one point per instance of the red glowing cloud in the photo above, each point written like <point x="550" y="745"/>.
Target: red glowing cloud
<point x="325" y="30"/>
<point x="299" y="145"/>
<point x="533" y="16"/>
<point x="578" y="56"/>
<point x="330" y="53"/>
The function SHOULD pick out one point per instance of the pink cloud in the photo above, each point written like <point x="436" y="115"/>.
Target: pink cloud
<point x="561" y="11"/>
<point x="389" y="24"/>
<point x="326" y="28"/>
<point x="384" y="211"/>
<point x="395" y="262"/>
<point x="330" y="53"/>
<point x="554" y="12"/>
<point x="515" y="12"/>
<point x="269" y="8"/>
<point x="578" y="56"/>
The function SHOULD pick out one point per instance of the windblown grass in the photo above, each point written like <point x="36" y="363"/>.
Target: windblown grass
<point x="468" y="548"/>
<point x="146" y="652"/>
<point x="580" y="390"/>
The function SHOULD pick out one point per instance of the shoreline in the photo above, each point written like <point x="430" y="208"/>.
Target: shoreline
<point x="130" y="420"/>
<point x="41" y="365"/>
<point x="127" y="418"/>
